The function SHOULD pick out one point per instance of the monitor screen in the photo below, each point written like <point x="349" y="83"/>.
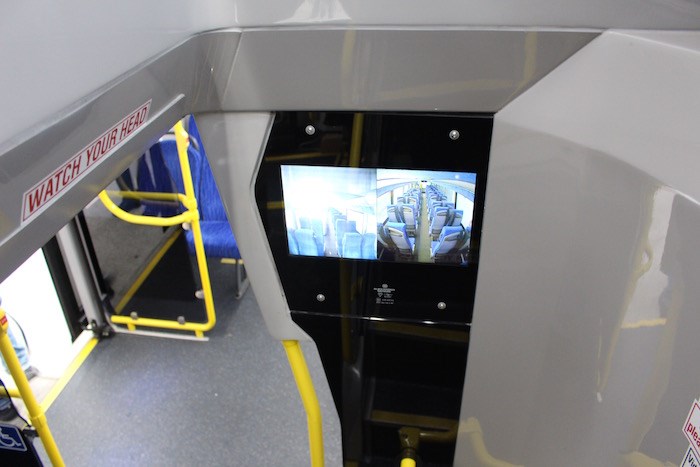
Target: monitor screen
<point x="396" y="215"/>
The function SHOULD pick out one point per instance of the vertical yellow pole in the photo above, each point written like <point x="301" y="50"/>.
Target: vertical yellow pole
<point x="181" y="139"/>
<point x="308" y="397"/>
<point x="356" y="139"/>
<point x="36" y="415"/>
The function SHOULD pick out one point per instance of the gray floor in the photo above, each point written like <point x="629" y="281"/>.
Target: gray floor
<point x="122" y="248"/>
<point x="146" y="401"/>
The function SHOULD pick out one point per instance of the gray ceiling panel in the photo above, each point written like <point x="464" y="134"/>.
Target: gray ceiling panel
<point x="392" y="69"/>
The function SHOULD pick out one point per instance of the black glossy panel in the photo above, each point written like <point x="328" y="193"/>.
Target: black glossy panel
<point x="403" y="141"/>
<point x="385" y="376"/>
<point x="394" y="359"/>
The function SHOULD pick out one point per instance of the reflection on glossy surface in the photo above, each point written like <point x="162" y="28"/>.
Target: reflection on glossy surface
<point x="648" y="283"/>
<point x="672" y="14"/>
<point x="313" y="11"/>
<point x="584" y="338"/>
<point x="391" y="378"/>
<point x="476" y="453"/>
<point x="600" y="330"/>
<point x="570" y="314"/>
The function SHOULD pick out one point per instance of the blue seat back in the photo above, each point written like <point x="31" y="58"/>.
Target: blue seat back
<point x="217" y="236"/>
<point x="317" y="228"/>
<point x="153" y="176"/>
<point x="394" y="213"/>
<point x="304" y="223"/>
<point x="352" y="245"/>
<point x="456" y="216"/>
<point x="211" y="207"/>
<point x="306" y="242"/>
<point x="408" y="212"/>
<point x="438" y="222"/>
<point x="450" y="238"/>
<point x="399" y="236"/>
<point x="340" y="229"/>
<point x="369" y="246"/>
<point x="292" y="242"/>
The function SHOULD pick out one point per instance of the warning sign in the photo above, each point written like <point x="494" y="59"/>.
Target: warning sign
<point x="691" y="429"/>
<point x="46" y="191"/>
<point x="690" y="459"/>
<point x="385" y="295"/>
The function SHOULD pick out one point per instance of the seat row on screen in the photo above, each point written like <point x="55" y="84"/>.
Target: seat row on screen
<point x="441" y="213"/>
<point x="452" y="244"/>
<point x="338" y="238"/>
<point x="353" y="244"/>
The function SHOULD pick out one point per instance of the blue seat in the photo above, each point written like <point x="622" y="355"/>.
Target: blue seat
<point x="343" y="226"/>
<point x="292" y="242"/>
<point x="217" y="236"/>
<point x="431" y="207"/>
<point x="153" y="176"/>
<point x="333" y="216"/>
<point x="306" y="242"/>
<point x="369" y="246"/>
<point x="438" y="221"/>
<point x="382" y="236"/>
<point x="352" y="245"/>
<point x="340" y="229"/>
<point x="408" y="213"/>
<point x="399" y="237"/>
<point x="393" y="212"/>
<point x="439" y="204"/>
<point x="317" y="228"/>
<point x="450" y="239"/>
<point x="304" y="223"/>
<point x="455" y="216"/>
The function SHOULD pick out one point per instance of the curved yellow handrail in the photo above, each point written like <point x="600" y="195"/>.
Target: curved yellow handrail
<point x="189" y="201"/>
<point x="186" y="216"/>
<point x="149" y="195"/>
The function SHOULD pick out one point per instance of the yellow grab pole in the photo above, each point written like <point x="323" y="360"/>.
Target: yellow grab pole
<point x="308" y="397"/>
<point x="182" y="141"/>
<point x="408" y="462"/>
<point x="36" y="414"/>
<point x="356" y="139"/>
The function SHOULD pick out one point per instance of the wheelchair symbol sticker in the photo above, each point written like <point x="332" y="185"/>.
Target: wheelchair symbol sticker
<point x="11" y="438"/>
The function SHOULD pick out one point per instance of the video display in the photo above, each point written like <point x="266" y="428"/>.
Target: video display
<point x="395" y="215"/>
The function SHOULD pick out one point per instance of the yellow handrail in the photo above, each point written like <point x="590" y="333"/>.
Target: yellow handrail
<point x="36" y="414"/>
<point x="189" y="201"/>
<point x="148" y="195"/>
<point x="309" y="399"/>
<point x="186" y="216"/>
